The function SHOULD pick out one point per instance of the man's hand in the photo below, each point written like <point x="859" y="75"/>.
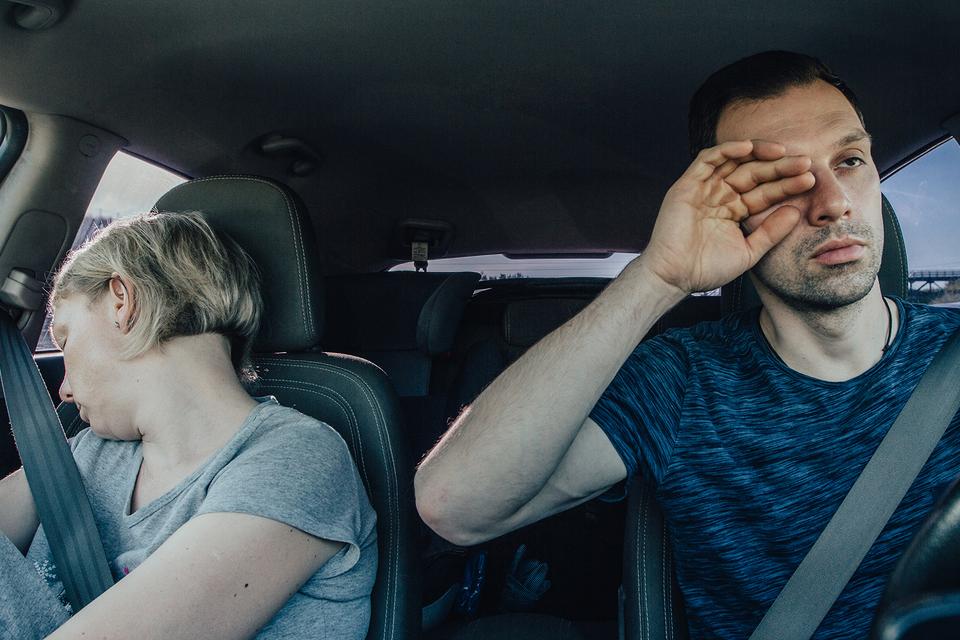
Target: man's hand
<point x="697" y="242"/>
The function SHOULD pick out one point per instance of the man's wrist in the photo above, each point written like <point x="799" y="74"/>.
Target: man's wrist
<point x="653" y="286"/>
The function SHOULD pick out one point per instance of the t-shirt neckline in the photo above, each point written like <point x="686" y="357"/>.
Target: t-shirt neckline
<point x="249" y="425"/>
<point x="767" y="349"/>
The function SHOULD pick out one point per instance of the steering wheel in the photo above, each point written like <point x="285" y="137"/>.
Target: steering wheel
<point x="922" y="598"/>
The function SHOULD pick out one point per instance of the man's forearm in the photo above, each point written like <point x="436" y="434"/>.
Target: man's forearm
<point x="504" y="448"/>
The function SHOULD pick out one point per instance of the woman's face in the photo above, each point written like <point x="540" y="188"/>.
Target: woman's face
<point x="96" y="378"/>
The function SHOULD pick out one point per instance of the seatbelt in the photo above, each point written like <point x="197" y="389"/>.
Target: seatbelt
<point x="864" y="512"/>
<point x="52" y="473"/>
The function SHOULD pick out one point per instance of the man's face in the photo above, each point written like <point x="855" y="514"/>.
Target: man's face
<point x="832" y="256"/>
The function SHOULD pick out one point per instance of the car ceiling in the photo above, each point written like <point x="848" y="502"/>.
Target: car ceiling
<point x="542" y="127"/>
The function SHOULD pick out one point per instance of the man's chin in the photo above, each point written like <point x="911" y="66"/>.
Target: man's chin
<point x="840" y="287"/>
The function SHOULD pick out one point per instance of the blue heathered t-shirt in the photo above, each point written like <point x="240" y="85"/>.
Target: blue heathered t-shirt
<point x="750" y="459"/>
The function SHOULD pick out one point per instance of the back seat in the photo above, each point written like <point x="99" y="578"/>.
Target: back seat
<point x="442" y="338"/>
<point x="406" y="323"/>
<point x="583" y="546"/>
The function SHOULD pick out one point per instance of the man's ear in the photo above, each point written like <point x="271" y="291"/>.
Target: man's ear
<point x="123" y="302"/>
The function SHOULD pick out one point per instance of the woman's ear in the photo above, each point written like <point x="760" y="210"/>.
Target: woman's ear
<point x="123" y="302"/>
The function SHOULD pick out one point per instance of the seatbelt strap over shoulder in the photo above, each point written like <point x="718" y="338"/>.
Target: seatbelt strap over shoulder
<point x="824" y="572"/>
<point x="52" y="473"/>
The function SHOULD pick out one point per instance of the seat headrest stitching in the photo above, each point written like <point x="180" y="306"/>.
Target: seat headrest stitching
<point x="901" y="257"/>
<point x="306" y="308"/>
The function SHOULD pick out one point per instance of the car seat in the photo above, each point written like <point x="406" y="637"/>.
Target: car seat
<point x="349" y="393"/>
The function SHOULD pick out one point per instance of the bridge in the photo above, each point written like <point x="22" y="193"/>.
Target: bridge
<point x="931" y="285"/>
<point x="932" y="279"/>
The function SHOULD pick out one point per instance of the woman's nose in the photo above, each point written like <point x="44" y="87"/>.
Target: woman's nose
<point x="66" y="393"/>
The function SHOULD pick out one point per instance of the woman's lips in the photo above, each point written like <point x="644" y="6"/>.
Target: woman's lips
<point x="840" y="255"/>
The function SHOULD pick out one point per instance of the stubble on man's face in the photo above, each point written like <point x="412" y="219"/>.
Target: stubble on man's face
<point x="788" y="273"/>
<point x="817" y="121"/>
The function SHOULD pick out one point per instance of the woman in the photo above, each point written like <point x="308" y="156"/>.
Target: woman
<point x="222" y="516"/>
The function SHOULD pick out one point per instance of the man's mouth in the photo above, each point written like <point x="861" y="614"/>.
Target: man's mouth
<point x="839" y="251"/>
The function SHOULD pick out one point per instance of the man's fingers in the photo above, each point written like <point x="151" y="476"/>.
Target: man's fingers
<point x="766" y="150"/>
<point x="750" y="175"/>
<point x="771" y="231"/>
<point x="724" y="158"/>
<point x="709" y="159"/>
<point x="771" y="193"/>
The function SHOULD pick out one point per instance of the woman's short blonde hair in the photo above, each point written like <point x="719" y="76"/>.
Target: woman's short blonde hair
<point x="187" y="280"/>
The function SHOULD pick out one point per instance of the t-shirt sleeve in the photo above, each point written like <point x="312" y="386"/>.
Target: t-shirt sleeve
<point x="299" y="473"/>
<point x="640" y="409"/>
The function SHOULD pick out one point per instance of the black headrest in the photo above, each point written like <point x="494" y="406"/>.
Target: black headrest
<point x="525" y="322"/>
<point x="741" y="294"/>
<point x="395" y="311"/>
<point x="271" y="224"/>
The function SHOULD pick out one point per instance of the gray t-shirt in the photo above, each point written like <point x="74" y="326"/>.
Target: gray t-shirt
<point x="280" y="465"/>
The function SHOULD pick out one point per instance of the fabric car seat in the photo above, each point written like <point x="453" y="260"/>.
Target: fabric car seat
<point x="652" y="602"/>
<point x="349" y="393"/>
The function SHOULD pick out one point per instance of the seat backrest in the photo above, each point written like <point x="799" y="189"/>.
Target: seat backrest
<point x="652" y="603"/>
<point x="400" y="320"/>
<point x="348" y="393"/>
<point x="405" y="322"/>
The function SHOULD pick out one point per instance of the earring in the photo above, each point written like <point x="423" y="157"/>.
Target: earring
<point x="116" y="323"/>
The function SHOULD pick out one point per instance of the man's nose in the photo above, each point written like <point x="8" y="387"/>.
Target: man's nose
<point x="66" y="393"/>
<point x="828" y="200"/>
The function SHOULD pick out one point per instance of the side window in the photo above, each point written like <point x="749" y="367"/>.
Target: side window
<point x="926" y="196"/>
<point x="129" y="186"/>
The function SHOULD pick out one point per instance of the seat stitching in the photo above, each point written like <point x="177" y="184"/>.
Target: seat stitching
<point x="392" y="579"/>
<point x="901" y="259"/>
<point x="393" y="576"/>
<point x="305" y="309"/>
<point x="344" y="404"/>
<point x="507" y="322"/>
<point x="645" y="610"/>
<point x="667" y="584"/>
<point x="430" y="323"/>
<point x="392" y="491"/>
<point x="637" y="570"/>
<point x="663" y="566"/>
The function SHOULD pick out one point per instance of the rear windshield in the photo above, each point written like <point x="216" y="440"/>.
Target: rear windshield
<point x="501" y="267"/>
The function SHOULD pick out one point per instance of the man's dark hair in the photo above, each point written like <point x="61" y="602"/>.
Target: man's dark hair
<point x="757" y="77"/>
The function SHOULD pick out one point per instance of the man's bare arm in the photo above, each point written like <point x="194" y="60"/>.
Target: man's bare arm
<point x="525" y="448"/>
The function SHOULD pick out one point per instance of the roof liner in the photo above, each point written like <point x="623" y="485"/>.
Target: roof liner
<point x="530" y="126"/>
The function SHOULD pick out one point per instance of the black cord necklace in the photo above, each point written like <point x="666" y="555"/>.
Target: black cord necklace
<point x="886" y="342"/>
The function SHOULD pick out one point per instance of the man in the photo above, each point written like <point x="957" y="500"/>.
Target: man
<point x="752" y="428"/>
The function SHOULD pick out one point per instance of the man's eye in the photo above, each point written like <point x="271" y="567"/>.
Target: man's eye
<point x="851" y="162"/>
